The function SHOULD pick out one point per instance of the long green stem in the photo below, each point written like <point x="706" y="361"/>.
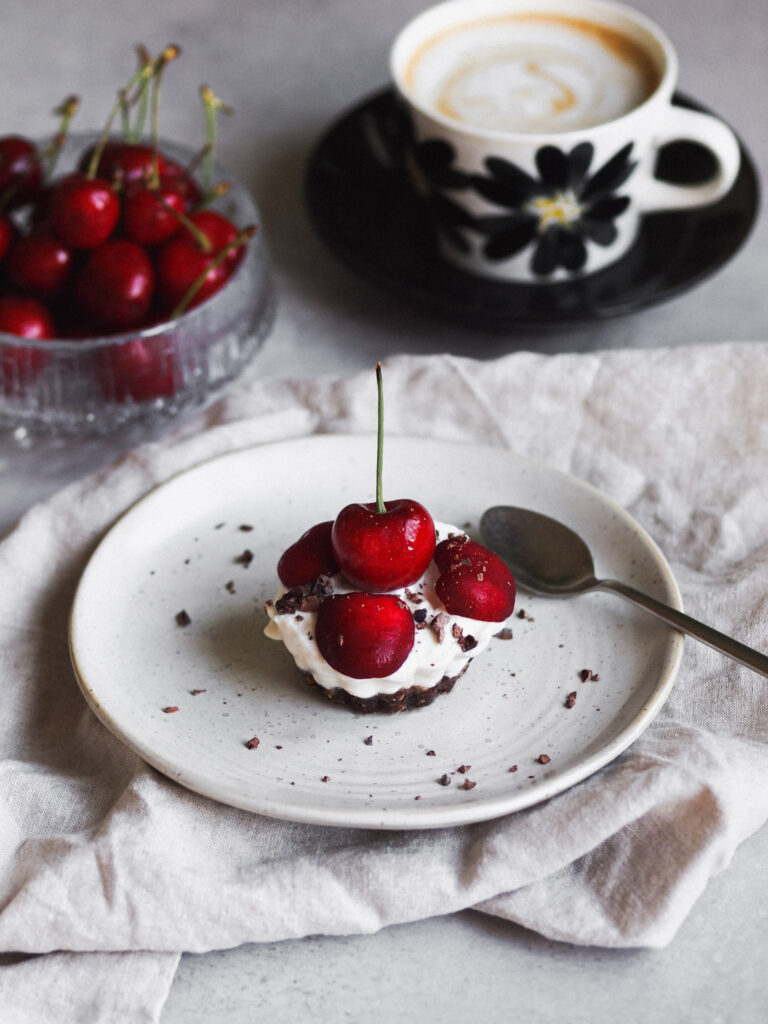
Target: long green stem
<point x="380" y="506"/>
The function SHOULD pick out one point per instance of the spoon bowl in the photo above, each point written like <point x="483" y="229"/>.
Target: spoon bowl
<point x="548" y="558"/>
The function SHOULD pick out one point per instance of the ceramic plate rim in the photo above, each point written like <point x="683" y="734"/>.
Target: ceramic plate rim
<point x="363" y="817"/>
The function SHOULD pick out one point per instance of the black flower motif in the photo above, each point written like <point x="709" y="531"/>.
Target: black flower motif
<point x="430" y="166"/>
<point x="558" y="213"/>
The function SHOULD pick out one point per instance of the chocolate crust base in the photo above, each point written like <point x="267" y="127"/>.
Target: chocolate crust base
<point x="387" y="703"/>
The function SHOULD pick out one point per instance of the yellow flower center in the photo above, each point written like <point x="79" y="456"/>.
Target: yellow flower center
<point x="561" y="208"/>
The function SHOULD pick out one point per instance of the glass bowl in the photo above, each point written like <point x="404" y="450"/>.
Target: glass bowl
<point x="97" y="385"/>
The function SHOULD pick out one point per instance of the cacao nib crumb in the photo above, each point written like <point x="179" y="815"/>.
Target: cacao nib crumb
<point x="252" y="743"/>
<point x="456" y="631"/>
<point x="444" y="780"/>
<point x="245" y="528"/>
<point x="326" y="778"/>
<point x="504" y="634"/>
<point x="570" y="700"/>
<point x="467" y="784"/>
<point x="420" y="615"/>
<point x="299" y="618"/>
<point x="170" y="710"/>
<point x="543" y="758"/>
<point x="463" y="768"/>
<point x="585" y="675"/>
<point x="417" y="798"/>
<point x="467" y="643"/>
<point x="521" y="613"/>
<point x="513" y="768"/>
<point x="245" y="558"/>
<point x="196" y="693"/>
<point x="431" y="753"/>
<point x="230" y="586"/>
<point x="182" y="618"/>
<point x="413" y="596"/>
<point x="439" y="625"/>
<point x="595" y="677"/>
<point x="368" y="741"/>
<point x="278" y="746"/>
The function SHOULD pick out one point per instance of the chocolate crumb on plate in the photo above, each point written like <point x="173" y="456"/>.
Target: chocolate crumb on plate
<point x="513" y="768"/>
<point x="467" y="784"/>
<point x="170" y="710"/>
<point x="326" y="778"/>
<point x="195" y="693"/>
<point x="182" y="618"/>
<point x="252" y="743"/>
<point x="585" y="675"/>
<point x="230" y="586"/>
<point x="245" y="527"/>
<point x="431" y="753"/>
<point x="368" y="741"/>
<point x="543" y="758"/>
<point x="245" y="558"/>
<point x="504" y="634"/>
<point x="463" y="768"/>
<point x="570" y="700"/>
<point x="444" y="780"/>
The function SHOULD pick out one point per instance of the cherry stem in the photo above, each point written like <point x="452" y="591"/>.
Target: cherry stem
<point x="141" y="99"/>
<point x="380" y="506"/>
<point x="240" y="239"/>
<point x="212" y="106"/>
<point x="144" y="73"/>
<point x="203" y="241"/>
<point x="169" y="53"/>
<point x="66" y="111"/>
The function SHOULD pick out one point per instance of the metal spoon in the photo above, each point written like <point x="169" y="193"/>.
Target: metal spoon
<point x="547" y="558"/>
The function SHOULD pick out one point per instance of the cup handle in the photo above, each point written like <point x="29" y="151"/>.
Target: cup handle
<point x="682" y="124"/>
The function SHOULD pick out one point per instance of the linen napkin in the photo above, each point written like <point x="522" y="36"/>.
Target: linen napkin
<point x="108" y="867"/>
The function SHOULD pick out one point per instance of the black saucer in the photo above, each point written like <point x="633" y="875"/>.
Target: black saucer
<point x="366" y="214"/>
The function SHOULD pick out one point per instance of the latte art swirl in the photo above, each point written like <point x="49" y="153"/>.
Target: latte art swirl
<point x="531" y="73"/>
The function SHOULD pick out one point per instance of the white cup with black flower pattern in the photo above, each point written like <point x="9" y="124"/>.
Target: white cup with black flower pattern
<point x="533" y="129"/>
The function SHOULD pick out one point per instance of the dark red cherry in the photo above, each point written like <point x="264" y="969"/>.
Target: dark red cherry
<point x="476" y="583"/>
<point x="185" y="183"/>
<point x="127" y="161"/>
<point x="181" y="261"/>
<point x="115" y="285"/>
<point x="140" y="369"/>
<point x="40" y="264"/>
<point x="382" y="551"/>
<point x="147" y="219"/>
<point x="309" y="557"/>
<point x="21" y="364"/>
<point x="365" y="636"/>
<point x="21" y="171"/>
<point x="83" y="211"/>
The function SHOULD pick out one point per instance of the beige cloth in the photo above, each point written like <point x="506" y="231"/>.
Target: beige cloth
<point x="102" y="857"/>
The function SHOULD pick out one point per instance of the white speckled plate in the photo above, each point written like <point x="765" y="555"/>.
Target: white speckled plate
<point x="178" y="549"/>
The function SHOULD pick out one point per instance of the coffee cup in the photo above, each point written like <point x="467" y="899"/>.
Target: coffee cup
<point x="533" y="129"/>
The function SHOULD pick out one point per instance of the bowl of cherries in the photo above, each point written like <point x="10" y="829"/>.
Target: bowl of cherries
<point x="134" y="275"/>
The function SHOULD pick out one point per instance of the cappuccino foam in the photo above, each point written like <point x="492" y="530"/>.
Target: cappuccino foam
<point x="531" y="73"/>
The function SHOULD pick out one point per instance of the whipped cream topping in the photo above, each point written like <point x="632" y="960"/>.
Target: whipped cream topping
<point x="437" y="650"/>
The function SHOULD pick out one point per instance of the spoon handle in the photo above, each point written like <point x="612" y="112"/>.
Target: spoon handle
<point x="725" y="644"/>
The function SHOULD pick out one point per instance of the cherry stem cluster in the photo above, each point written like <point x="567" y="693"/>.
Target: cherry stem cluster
<point x="139" y="82"/>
